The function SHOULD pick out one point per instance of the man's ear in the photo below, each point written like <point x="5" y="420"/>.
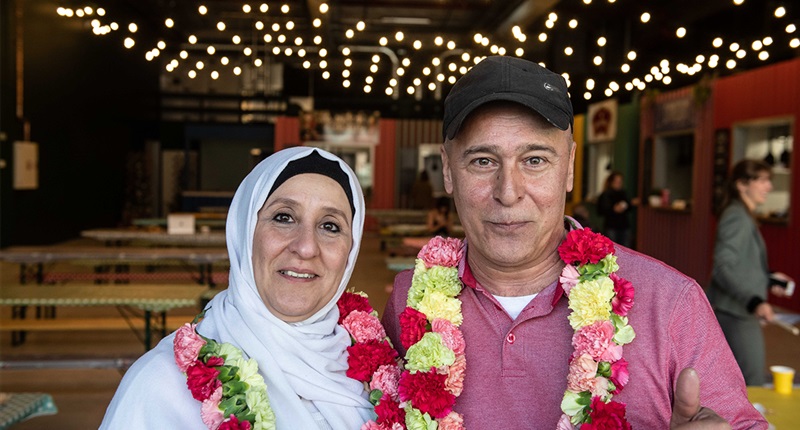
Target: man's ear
<point x="571" y="173"/>
<point x="448" y="180"/>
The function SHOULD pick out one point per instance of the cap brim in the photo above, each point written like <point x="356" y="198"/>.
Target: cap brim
<point x="552" y="114"/>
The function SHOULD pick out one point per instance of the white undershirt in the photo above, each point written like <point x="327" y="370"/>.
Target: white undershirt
<point x="514" y="305"/>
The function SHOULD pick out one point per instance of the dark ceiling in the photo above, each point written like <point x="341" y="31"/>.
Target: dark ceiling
<point x="457" y="22"/>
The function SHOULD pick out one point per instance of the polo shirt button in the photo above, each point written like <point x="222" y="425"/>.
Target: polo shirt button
<point x="511" y="338"/>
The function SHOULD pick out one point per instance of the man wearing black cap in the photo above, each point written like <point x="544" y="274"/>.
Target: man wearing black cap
<point x="508" y="160"/>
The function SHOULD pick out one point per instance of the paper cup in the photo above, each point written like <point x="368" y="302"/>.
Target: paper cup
<point x="782" y="377"/>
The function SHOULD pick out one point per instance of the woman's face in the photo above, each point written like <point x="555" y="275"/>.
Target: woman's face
<point x="300" y="247"/>
<point x="754" y="192"/>
<point x="616" y="182"/>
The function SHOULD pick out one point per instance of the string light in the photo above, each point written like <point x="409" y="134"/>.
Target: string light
<point x="483" y="45"/>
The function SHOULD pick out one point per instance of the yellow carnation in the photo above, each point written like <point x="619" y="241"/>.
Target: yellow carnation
<point x="429" y="352"/>
<point x="437" y="305"/>
<point x="418" y="285"/>
<point x="442" y="279"/>
<point x="590" y="301"/>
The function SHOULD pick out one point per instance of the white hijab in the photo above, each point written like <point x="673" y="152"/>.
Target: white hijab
<point x="305" y="360"/>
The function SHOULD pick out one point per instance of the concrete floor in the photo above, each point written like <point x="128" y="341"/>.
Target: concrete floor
<point x="82" y="395"/>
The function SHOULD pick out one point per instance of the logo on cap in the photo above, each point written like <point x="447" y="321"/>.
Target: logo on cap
<point x="549" y="87"/>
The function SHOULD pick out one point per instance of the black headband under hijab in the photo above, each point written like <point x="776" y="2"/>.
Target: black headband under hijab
<point x="316" y="163"/>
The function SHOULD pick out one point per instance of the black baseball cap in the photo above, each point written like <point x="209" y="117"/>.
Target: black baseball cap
<point x="511" y="79"/>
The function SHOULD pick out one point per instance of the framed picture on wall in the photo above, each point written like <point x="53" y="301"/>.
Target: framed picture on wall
<point x="26" y="166"/>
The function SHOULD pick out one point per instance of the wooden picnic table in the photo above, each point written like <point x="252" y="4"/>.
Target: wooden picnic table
<point x="149" y="298"/>
<point x="33" y="258"/>
<point x="121" y="236"/>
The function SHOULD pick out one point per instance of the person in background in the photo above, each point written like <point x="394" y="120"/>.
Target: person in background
<point x="580" y="213"/>
<point x="440" y="220"/>
<point x="740" y="275"/>
<point x="293" y="233"/>
<point x="508" y="161"/>
<point x="422" y="192"/>
<point x="614" y="205"/>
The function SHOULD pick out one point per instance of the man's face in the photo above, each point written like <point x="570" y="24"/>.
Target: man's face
<point x="509" y="171"/>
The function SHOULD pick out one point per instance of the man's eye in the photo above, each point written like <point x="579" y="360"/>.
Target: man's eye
<point x="331" y="226"/>
<point x="482" y="161"/>
<point x="536" y="161"/>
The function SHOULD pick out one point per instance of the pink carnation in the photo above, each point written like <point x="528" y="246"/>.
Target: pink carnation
<point x="233" y="423"/>
<point x="187" y="345"/>
<point x="605" y="416"/>
<point x="389" y="412"/>
<point x="412" y="326"/>
<point x="364" y="327"/>
<point x="569" y="278"/>
<point x="202" y="380"/>
<point x="209" y="410"/>
<point x="597" y="341"/>
<point x="372" y="425"/>
<point x="564" y="423"/>
<point x="426" y="392"/>
<point x="451" y="335"/>
<point x="619" y="374"/>
<point x="623" y="298"/>
<point x="599" y="387"/>
<point x="453" y="421"/>
<point x="455" y="375"/>
<point x="365" y="358"/>
<point x="441" y="252"/>
<point x="582" y="373"/>
<point x="584" y="246"/>
<point x="350" y="302"/>
<point x="386" y="379"/>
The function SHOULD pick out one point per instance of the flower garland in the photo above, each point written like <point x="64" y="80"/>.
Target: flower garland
<point x="435" y="359"/>
<point x="372" y="360"/>
<point x="232" y="392"/>
<point x="234" y="395"/>
<point x="600" y="301"/>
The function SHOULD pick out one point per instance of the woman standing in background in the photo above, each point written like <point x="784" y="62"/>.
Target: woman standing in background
<point x="740" y="277"/>
<point x="614" y="206"/>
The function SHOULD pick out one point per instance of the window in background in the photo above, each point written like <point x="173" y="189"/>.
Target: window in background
<point x="673" y="163"/>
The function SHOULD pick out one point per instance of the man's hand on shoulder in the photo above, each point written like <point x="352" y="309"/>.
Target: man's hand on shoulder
<point x="687" y="414"/>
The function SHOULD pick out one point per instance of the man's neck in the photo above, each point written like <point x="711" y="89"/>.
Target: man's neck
<point x="515" y="281"/>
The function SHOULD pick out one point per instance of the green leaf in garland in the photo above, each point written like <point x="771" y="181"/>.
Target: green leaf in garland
<point x="233" y="405"/>
<point x="234" y="388"/>
<point x="624" y="333"/>
<point x="210" y="348"/>
<point x="200" y="316"/>
<point x="227" y="373"/>
<point x="246" y="415"/>
<point x="604" y="369"/>
<point x="375" y="396"/>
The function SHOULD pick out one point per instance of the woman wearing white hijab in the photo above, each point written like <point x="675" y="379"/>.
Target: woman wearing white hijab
<point x="286" y="225"/>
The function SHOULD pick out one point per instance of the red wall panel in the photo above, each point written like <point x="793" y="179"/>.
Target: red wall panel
<point x="287" y="132"/>
<point x="680" y="238"/>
